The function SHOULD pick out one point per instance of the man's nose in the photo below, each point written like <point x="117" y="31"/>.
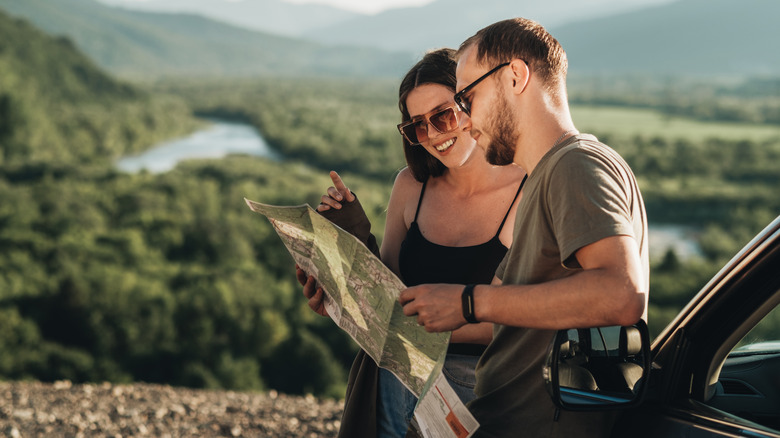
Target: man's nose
<point x="466" y="123"/>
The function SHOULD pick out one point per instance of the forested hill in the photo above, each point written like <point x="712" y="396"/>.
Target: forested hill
<point x="55" y="105"/>
<point x="109" y="276"/>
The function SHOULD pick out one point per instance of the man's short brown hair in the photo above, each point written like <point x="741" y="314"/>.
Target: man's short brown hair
<point x="524" y="39"/>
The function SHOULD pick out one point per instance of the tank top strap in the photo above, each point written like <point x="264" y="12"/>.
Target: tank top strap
<point x="500" y="227"/>
<point x="419" y="202"/>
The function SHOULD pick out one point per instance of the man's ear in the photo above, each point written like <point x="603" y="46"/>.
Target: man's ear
<point x="521" y="74"/>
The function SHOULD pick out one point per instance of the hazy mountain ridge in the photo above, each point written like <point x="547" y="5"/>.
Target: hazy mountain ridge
<point x="141" y="44"/>
<point x="687" y="37"/>
<point x="670" y="37"/>
<point x="271" y="16"/>
<point x="446" y="23"/>
<point x="659" y="37"/>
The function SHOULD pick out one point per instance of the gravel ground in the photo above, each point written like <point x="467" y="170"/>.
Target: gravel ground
<point x="61" y="409"/>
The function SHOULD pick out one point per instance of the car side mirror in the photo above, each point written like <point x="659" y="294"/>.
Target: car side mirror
<point x="598" y="368"/>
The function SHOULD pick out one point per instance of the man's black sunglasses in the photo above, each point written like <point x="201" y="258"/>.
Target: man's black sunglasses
<point x="460" y="96"/>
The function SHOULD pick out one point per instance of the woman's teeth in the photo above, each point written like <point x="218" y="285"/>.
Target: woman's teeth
<point x="444" y="146"/>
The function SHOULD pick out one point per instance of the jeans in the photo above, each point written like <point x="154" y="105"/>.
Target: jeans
<point x="459" y="371"/>
<point x="395" y="404"/>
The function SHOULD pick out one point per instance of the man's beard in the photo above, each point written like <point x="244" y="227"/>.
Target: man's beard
<point x="501" y="149"/>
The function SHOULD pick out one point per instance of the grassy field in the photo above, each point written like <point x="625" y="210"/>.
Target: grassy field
<point x="629" y="122"/>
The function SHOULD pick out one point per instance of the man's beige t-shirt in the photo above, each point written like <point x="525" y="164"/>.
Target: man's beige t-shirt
<point x="580" y="192"/>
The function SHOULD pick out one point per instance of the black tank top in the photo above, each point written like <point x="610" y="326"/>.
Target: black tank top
<point x="422" y="261"/>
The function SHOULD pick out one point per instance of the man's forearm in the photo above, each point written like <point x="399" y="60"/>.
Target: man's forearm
<point x="591" y="298"/>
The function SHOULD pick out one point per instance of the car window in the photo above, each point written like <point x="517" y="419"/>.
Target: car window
<point x="749" y="382"/>
<point x="768" y="330"/>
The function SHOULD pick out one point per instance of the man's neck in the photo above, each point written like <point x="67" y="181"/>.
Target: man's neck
<point x="549" y="124"/>
<point x="531" y="150"/>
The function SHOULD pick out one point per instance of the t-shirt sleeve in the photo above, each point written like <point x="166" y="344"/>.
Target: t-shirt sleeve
<point x="589" y="200"/>
<point x="502" y="267"/>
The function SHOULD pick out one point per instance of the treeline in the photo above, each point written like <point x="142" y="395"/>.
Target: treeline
<point x="161" y="278"/>
<point x="707" y="182"/>
<point x="750" y="100"/>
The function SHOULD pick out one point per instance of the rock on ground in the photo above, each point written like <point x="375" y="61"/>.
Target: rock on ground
<point x="62" y="409"/>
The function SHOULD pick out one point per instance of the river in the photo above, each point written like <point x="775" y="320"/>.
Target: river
<point x="218" y="140"/>
<point x="681" y="238"/>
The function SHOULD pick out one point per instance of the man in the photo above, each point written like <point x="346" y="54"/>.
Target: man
<point x="579" y="257"/>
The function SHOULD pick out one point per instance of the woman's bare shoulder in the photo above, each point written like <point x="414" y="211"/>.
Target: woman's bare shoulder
<point x="405" y="182"/>
<point x="406" y="192"/>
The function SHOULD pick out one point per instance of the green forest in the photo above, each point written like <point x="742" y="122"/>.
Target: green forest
<point x="170" y="278"/>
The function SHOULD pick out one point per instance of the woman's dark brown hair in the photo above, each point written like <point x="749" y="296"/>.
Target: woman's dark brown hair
<point x="436" y="67"/>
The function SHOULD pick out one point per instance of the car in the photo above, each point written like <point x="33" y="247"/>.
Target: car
<point x="714" y="371"/>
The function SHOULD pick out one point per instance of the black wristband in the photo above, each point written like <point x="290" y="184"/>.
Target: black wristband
<point x="467" y="300"/>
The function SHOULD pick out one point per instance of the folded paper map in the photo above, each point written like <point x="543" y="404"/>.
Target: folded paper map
<point x="361" y="295"/>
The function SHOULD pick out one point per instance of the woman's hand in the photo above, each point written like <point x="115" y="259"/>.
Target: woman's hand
<point x="339" y="192"/>
<point x="314" y="294"/>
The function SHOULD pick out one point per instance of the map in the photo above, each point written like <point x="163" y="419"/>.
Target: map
<point x="361" y="294"/>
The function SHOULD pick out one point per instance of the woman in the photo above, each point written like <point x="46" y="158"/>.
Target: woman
<point x="445" y="224"/>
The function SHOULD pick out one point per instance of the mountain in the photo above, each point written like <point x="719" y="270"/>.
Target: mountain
<point x="270" y="16"/>
<point x="446" y="23"/>
<point x="142" y="44"/>
<point x="687" y="37"/>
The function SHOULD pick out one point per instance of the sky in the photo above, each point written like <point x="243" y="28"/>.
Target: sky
<point x="362" y="6"/>
<point x="376" y="6"/>
<point x="366" y="6"/>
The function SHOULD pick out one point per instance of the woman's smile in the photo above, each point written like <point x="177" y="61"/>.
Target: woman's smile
<point x="445" y="146"/>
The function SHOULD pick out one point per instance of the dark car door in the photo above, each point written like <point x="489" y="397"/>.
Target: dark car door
<point x="704" y="382"/>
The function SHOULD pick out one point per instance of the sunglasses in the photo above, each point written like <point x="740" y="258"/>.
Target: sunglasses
<point x="443" y="120"/>
<point x="460" y="96"/>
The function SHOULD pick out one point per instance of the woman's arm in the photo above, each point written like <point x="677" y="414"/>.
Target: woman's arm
<point x="404" y="187"/>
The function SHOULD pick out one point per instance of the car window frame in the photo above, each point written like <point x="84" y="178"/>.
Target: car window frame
<point x="687" y="356"/>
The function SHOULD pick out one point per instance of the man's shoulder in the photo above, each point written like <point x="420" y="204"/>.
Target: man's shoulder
<point x="585" y="143"/>
<point x="586" y="148"/>
<point x="583" y="162"/>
